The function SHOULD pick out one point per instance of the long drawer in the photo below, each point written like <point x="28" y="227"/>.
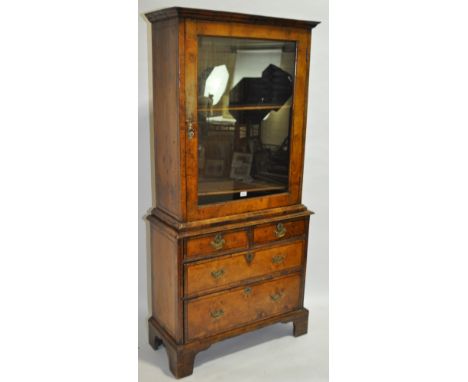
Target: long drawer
<point x="222" y="311"/>
<point x="225" y="270"/>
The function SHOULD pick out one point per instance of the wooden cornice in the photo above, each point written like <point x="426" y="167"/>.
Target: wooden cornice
<point x="202" y="14"/>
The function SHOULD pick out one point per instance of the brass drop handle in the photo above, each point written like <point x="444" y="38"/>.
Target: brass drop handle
<point x="280" y="230"/>
<point x="218" y="242"/>
<point x="218" y="274"/>
<point x="190" y="129"/>
<point x="217" y="313"/>
<point x="278" y="259"/>
<point x="276" y="296"/>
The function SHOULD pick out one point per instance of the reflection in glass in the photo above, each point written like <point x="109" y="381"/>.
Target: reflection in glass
<point x="216" y="82"/>
<point x="245" y="90"/>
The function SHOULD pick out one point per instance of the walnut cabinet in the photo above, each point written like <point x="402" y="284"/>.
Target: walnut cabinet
<point x="228" y="232"/>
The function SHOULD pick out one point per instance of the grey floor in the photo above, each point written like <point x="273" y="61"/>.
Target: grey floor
<point x="269" y="354"/>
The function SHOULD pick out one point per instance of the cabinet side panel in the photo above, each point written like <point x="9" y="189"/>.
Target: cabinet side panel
<point x="164" y="270"/>
<point x="166" y="122"/>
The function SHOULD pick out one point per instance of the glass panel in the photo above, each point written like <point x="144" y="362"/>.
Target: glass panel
<point x="245" y="90"/>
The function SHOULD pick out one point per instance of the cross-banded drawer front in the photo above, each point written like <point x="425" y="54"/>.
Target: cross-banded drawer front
<point x="278" y="231"/>
<point x="222" y="271"/>
<point x="222" y="311"/>
<point x="217" y="242"/>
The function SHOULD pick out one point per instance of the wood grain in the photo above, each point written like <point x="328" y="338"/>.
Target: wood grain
<point x="203" y="293"/>
<point x="186" y="229"/>
<point x="219" y="312"/>
<point x="195" y="28"/>
<point x="165" y="282"/>
<point x="203" y="245"/>
<point x="226" y="187"/>
<point x="226" y="270"/>
<point x="181" y="357"/>
<point x="208" y="15"/>
<point x="256" y="107"/>
<point x="267" y="232"/>
<point x="166" y="122"/>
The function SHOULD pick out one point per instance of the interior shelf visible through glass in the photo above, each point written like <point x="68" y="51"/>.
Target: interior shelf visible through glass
<point x="245" y="98"/>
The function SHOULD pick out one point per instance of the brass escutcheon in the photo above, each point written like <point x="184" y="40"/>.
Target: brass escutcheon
<point x="190" y="129"/>
<point x="218" y="242"/>
<point x="280" y="230"/>
<point x="249" y="257"/>
<point x="248" y="290"/>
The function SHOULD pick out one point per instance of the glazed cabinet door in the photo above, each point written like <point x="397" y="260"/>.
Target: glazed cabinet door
<point x="245" y="104"/>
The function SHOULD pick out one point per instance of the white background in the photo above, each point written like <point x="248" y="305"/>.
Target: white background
<point x="69" y="192"/>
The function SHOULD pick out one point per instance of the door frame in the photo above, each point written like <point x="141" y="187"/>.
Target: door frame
<point x="195" y="28"/>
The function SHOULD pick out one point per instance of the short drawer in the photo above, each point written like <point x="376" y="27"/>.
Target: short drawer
<point x="278" y="231"/>
<point x="221" y="271"/>
<point x="220" y="312"/>
<point x="217" y="242"/>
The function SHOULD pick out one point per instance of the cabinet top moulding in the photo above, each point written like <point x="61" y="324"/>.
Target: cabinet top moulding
<point x="207" y="15"/>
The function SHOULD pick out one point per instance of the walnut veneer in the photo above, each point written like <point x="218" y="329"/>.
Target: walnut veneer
<point x="220" y="269"/>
